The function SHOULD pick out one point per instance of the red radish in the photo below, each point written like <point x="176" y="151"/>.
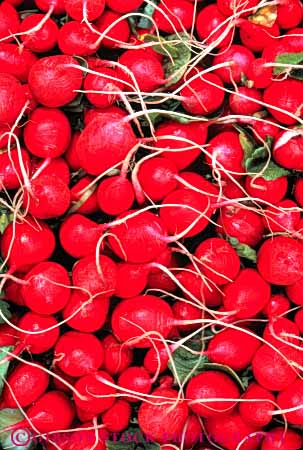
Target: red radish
<point x="286" y="95"/>
<point x="86" y="276"/>
<point x="294" y="292"/>
<point x="47" y="288"/>
<point x="258" y="75"/>
<point x="193" y="432"/>
<point x="49" y="197"/>
<point x="185" y="311"/>
<point x="281" y="330"/>
<point x="298" y="191"/>
<point x="131" y="279"/>
<point x="277" y="305"/>
<point x="120" y="32"/>
<point x="56" y="166"/>
<point x="16" y="60"/>
<point x="174" y="15"/>
<point x="71" y="154"/>
<point x="48" y="133"/>
<point x="184" y="207"/>
<point x="43" y="40"/>
<point x="280" y="260"/>
<point x="229" y="430"/>
<point x="203" y="95"/>
<point x="104" y="142"/>
<point x="212" y="385"/>
<point x="12" y="98"/>
<point x="288" y="149"/>
<point x="225" y="153"/>
<point x="117" y="417"/>
<point x="7" y="336"/>
<point x="76" y="37"/>
<point x="230" y="7"/>
<point x="135" y="316"/>
<point x="90" y="114"/>
<point x="57" y="5"/>
<point x="256" y="36"/>
<point x="10" y="168"/>
<point x="27" y="384"/>
<point x="239" y="59"/>
<point x="299" y="320"/>
<point x="183" y="133"/>
<point x="157" y="359"/>
<point x="271" y="370"/>
<point x="116" y="357"/>
<point x="80" y="229"/>
<point x="286" y="220"/>
<point x="233" y="348"/>
<point x="280" y="438"/>
<point x="50" y="72"/>
<point x="247" y="295"/>
<point x="271" y="191"/>
<point x="219" y="261"/>
<point x="107" y="80"/>
<point x="59" y="384"/>
<point x="160" y="280"/>
<point x="12" y="290"/>
<point x="78" y="354"/>
<point x="240" y="223"/>
<point x="290" y="14"/>
<point x="292" y="397"/>
<point x="164" y="416"/>
<point x="135" y="379"/>
<point x="99" y="396"/>
<point x="257" y="413"/>
<point x="292" y="42"/>
<point x="92" y="8"/>
<point x="157" y="178"/>
<point x="92" y="315"/>
<point x="232" y="189"/>
<point x="27" y="243"/>
<point x="122" y="7"/>
<point x="263" y="130"/>
<point x="140" y="238"/>
<point x="90" y="437"/>
<point x="210" y="28"/>
<point x="192" y="180"/>
<point x="5" y="128"/>
<point x="84" y="202"/>
<point x="146" y="68"/>
<point x="9" y="22"/>
<point x="242" y="105"/>
<point x="115" y="195"/>
<point x="44" y="340"/>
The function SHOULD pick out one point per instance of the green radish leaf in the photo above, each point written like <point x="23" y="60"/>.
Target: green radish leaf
<point x="187" y="364"/>
<point x="145" y="22"/>
<point x="3" y="367"/>
<point x="243" y="250"/>
<point x="257" y="154"/>
<point x="6" y="218"/>
<point x="175" y="67"/>
<point x="161" y="45"/>
<point x="21" y="439"/>
<point x="247" y="144"/>
<point x="226" y="369"/>
<point x="4" y="307"/>
<point x="272" y="172"/>
<point x="287" y="58"/>
<point x="131" y="439"/>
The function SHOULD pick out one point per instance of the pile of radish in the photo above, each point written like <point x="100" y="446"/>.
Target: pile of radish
<point x="151" y="227"/>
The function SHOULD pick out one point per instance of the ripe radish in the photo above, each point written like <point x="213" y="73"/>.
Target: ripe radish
<point x="285" y="220"/>
<point x="280" y="439"/>
<point x="271" y="191"/>
<point x="239" y="59"/>
<point x="90" y="114"/>
<point x="278" y="304"/>
<point x="116" y="357"/>
<point x="186" y="312"/>
<point x="192" y="180"/>
<point x="99" y="396"/>
<point x="117" y="417"/>
<point x="245" y="106"/>
<point x="9" y="21"/>
<point x="208" y="20"/>
<point x="193" y="432"/>
<point x="84" y="202"/>
<point x="286" y="95"/>
<point x="135" y="379"/>
<point x="104" y="142"/>
<point x="258" y="75"/>
<point x="280" y="331"/>
<point x="76" y="37"/>
<point x="292" y="397"/>
<point x="103" y="83"/>
<point x="10" y="168"/>
<point x="225" y="148"/>
<point x="39" y="342"/>
<point x="12" y="98"/>
<point x="50" y="72"/>
<point x="157" y="359"/>
<point x="119" y="32"/>
<point x="71" y="155"/>
<point x="122" y="7"/>
<point x="228" y="7"/>
<point x="174" y="15"/>
<point x="247" y="295"/>
<point x="288" y="150"/>
<point x="78" y="354"/>
<point x="45" y="6"/>
<point x="134" y="316"/>
<point x="93" y="9"/>
<point x="298" y="191"/>
<point x="27" y="243"/>
<point x="44" y="39"/>
<point x="55" y="166"/>
<point x="131" y="279"/>
<point x="257" y="413"/>
<point x="16" y="61"/>
<point x="164" y="417"/>
<point x="46" y="289"/>
<point x="256" y="36"/>
<point x="289" y="14"/>
<point x="115" y="195"/>
<point x="212" y="385"/>
<point x="280" y="260"/>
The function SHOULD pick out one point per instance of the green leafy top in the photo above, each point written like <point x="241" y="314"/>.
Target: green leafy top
<point x="186" y="363"/>
<point x="16" y="440"/>
<point x="292" y="59"/>
<point x="243" y="250"/>
<point x="3" y="366"/>
<point x="149" y="9"/>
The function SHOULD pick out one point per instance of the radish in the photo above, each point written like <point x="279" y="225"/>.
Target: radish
<point x="27" y="384"/>
<point x="41" y="341"/>
<point x="50" y="72"/>
<point x="280" y="331"/>
<point x="225" y="148"/>
<point x="76" y="37"/>
<point x="71" y="155"/>
<point x="193" y="432"/>
<point x="290" y="398"/>
<point x="9" y="22"/>
<point x="48" y="133"/>
<point x="209" y="26"/>
<point x="286" y="95"/>
<point x="164" y="417"/>
<point x="299" y="320"/>
<point x="78" y="354"/>
<point x="121" y="7"/>
<point x="132" y="279"/>
<point x="256" y="36"/>
<point x="7" y="335"/>
<point x="285" y="220"/>
<point x="117" y="417"/>
<point x="10" y="168"/>
<point x="219" y="261"/>
<point x="25" y="244"/>
<point x="192" y="180"/>
<point x="238" y="58"/>
<point x="271" y="191"/>
<point x="12" y="98"/>
<point x="174" y="15"/>
<point x="98" y="396"/>
<point x="157" y="358"/>
<point x="46" y="288"/>
<point x="146" y="69"/>
<point x="203" y="95"/>
<point x="257" y="413"/>
<point x="280" y="260"/>
<point x="277" y="305"/>
<point x="115" y="195"/>
<point x="298" y="191"/>
<point x="120" y="32"/>
<point x="104" y="143"/>
<point x="265" y="129"/>
<point x="280" y="439"/>
<point x="16" y="61"/>
<point x="233" y="348"/>
<point x="245" y="106"/>
<point x="90" y="114"/>
<point x="55" y="166"/>
<point x="212" y="385"/>
<point x="84" y="201"/>
<point x="91" y="315"/>
<point x="135" y="316"/>
<point x="12" y="290"/>
<point x="290" y="14"/>
<point x="41" y="41"/>
<point x="135" y="379"/>
<point x="116" y="357"/>
<point x="59" y="384"/>
<point x="185" y="311"/>
<point x="93" y="9"/>
<point x="106" y="80"/>
<point x="294" y="292"/>
<point x="247" y="295"/>
<point x="57" y="5"/>
<point x="259" y="76"/>
<point x="288" y="149"/>
<point x="228" y="7"/>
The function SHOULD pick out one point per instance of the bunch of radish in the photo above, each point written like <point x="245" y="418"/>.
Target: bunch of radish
<point x="151" y="228"/>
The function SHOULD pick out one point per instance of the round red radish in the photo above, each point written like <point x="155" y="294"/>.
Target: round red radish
<point x="57" y="5"/>
<point x="41" y="341"/>
<point x="226" y="154"/>
<point x="115" y="195"/>
<point x="290" y="14"/>
<point x="294" y="292"/>
<point x="116" y="357"/>
<point x="107" y="80"/>
<point x="56" y="166"/>
<point x="12" y="97"/>
<point x="174" y="15"/>
<point x="277" y="306"/>
<point x="288" y="149"/>
<point x="256" y="36"/>
<point x="185" y="312"/>
<point x="156" y="359"/>
<point x="44" y="39"/>
<point x="113" y="35"/>
<point x="298" y="191"/>
<point x="258" y="75"/>
<point x="92" y="8"/>
<point x="238" y="58"/>
<point x="131" y="279"/>
<point x="9" y="22"/>
<point x="137" y="380"/>
<point x="280" y="438"/>
<point x="284" y="216"/>
<point x="271" y="191"/>
<point x="123" y="7"/>
<point x="76" y="37"/>
<point x="245" y="105"/>
<point x="117" y="417"/>
<point x="230" y="7"/>
<point x="10" y="168"/>
<point x="99" y="395"/>
<point x="210" y="27"/>
<point x="286" y="95"/>
<point x="292" y="398"/>
<point x="281" y="331"/>
<point x="16" y="60"/>
<point x="257" y="413"/>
